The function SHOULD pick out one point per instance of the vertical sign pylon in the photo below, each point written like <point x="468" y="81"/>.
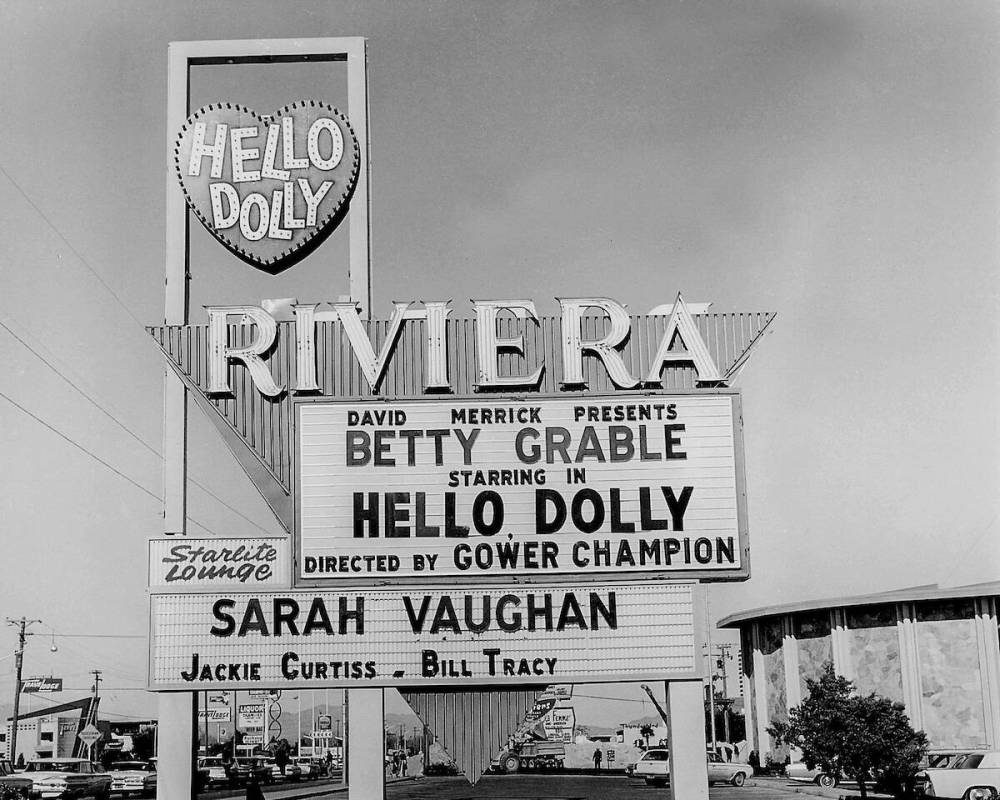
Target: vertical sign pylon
<point x="177" y="733"/>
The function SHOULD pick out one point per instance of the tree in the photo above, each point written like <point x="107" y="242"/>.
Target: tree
<point x="143" y="743"/>
<point x="645" y="731"/>
<point x="281" y="750"/>
<point x="860" y="736"/>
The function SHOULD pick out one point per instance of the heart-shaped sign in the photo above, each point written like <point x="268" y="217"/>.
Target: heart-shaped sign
<point x="269" y="188"/>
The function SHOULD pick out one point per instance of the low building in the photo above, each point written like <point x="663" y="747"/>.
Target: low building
<point x="630" y="733"/>
<point x="934" y="650"/>
<point x="47" y="733"/>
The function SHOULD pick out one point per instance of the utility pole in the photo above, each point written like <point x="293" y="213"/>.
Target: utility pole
<point x="92" y="716"/>
<point x="711" y="673"/>
<point x="22" y="625"/>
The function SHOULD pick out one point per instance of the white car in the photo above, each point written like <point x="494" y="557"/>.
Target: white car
<point x="797" y="771"/>
<point x="722" y="771"/>
<point x="653" y="766"/>
<point x="133" y="777"/>
<point x="975" y="776"/>
<point x="67" y="777"/>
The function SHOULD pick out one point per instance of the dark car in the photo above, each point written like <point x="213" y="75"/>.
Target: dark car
<point x="243" y="769"/>
<point x="13" y="781"/>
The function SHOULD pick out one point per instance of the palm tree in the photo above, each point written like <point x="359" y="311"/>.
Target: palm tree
<point x="645" y="731"/>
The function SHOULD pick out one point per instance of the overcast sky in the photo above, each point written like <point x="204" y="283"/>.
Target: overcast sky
<point x="833" y="162"/>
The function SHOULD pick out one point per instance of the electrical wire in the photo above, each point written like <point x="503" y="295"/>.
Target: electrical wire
<point x="97" y="458"/>
<point x="142" y="442"/>
<point x="72" y="249"/>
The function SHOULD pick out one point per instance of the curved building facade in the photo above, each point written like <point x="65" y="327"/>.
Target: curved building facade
<point x="935" y="650"/>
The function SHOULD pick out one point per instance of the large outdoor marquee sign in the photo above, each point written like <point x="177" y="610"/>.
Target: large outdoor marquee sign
<point x="436" y="636"/>
<point x="538" y="487"/>
<point x="485" y="496"/>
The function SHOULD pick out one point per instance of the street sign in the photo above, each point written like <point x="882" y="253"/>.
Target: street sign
<point x="215" y="714"/>
<point x="559" y="724"/>
<point x="253" y="738"/>
<point x="89" y="735"/>
<point x="324" y="722"/>
<point x="32" y="685"/>
<point x="251" y="715"/>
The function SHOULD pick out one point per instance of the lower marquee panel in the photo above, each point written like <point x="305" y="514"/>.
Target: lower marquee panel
<point x="433" y="636"/>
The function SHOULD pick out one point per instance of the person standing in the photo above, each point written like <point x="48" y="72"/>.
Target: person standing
<point x="598" y="757"/>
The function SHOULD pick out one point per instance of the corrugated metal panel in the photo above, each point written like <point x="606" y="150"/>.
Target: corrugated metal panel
<point x="472" y="726"/>
<point x="266" y="423"/>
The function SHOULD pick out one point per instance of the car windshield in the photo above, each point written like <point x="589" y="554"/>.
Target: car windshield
<point x="122" y="766"/>
<point x="54" y="766"/>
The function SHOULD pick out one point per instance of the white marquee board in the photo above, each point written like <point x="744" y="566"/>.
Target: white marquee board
<point x="588" y="487"/>
<point x="424" y="637"/>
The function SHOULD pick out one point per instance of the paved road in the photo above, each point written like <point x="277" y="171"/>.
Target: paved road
<point x="574" y="787"/>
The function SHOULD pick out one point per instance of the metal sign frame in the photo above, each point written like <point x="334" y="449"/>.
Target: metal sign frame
<point x="603" y="576"/>
<point x="351" y="50"/>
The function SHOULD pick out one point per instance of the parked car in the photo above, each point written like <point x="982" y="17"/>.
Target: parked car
<point x="974" y="776"/>
<point x="243" y="769"/>
<point x="798" y="771"/>
<point x="722" y="771"/>
<point x="9" y="779"/>
<point x="213" y="771"/>
<point x="293" y="771"/>
<point x="312" y="769"/>
<point x="133" y="777"/>
<point x="67" y="778"/>
<point x="653" y="766"/>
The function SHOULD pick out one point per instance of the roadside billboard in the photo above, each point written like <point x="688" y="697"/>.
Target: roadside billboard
<point x="33" y="685"/>
<point x="428" y="636"/>
<point x="250" y="715"/>
<point x="583" y="487"/>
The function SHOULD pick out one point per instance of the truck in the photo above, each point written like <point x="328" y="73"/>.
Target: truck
<point x="529" y="755"/>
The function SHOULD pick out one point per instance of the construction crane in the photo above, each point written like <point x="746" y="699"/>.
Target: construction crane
<point x="659" y="708"/>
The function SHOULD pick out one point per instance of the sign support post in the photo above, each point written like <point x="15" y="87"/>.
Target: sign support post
<point x="177" y="712"/>
<point x="364" y="740"/>
<point x="688" y="768"/>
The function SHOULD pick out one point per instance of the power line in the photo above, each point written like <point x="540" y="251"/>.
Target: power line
<point x="121" y="424"/>
<point x="96" y="457"/>
<point x="72" y="249"/>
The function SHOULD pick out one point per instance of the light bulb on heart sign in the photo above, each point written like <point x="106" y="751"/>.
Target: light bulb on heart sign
<point x="270" y="189"/>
